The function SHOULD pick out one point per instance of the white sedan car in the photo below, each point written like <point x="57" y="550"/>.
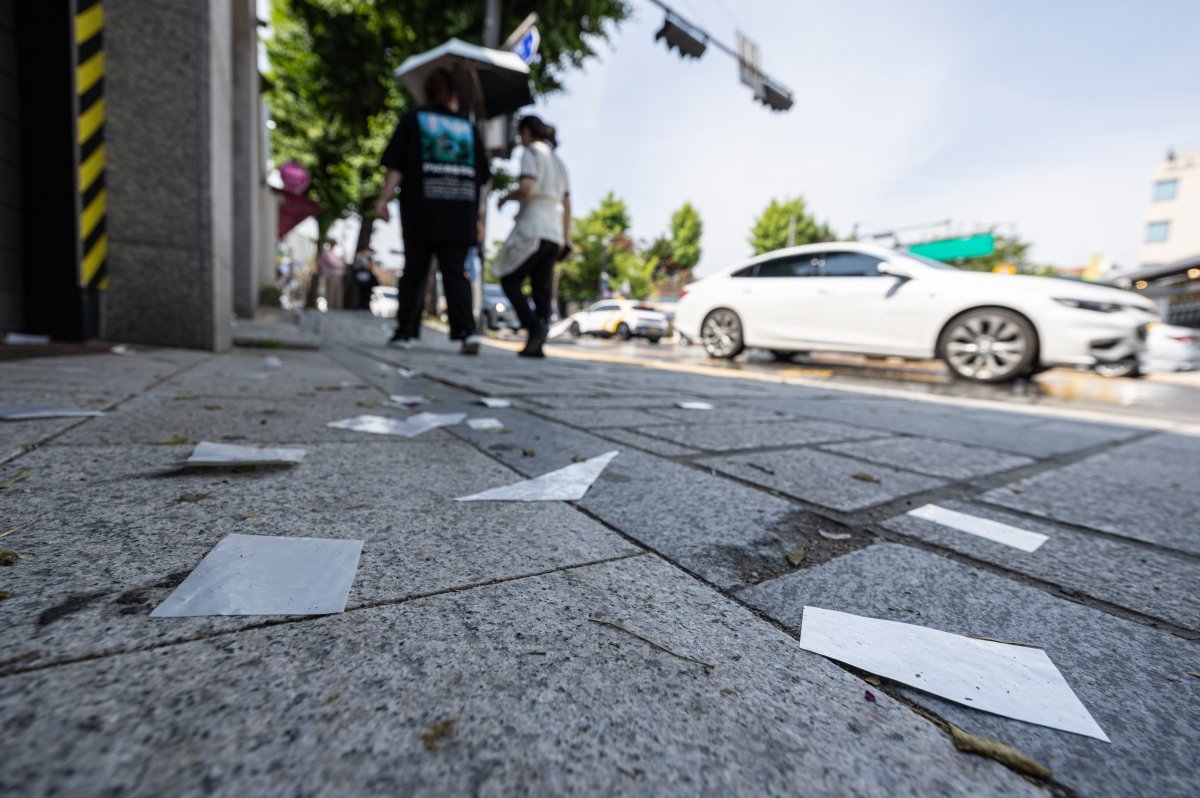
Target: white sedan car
<point x="620" y="317"/>
<point x="867" y="299"/>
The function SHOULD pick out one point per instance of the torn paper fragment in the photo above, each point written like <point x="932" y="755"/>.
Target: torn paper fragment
<point x="20" y="412"/>
<point x="207" y="453"/>
<point x="694" y="405"/>
<point x="407" y="374"/>
<point x="122" y="349"/>
<point x="407" y="428"/>
<point x="1012" y="681"/>
<point x="25" y="339"/>
<point x="407" y="401"/>
<point x="994" y="531"/>
<point x="484" y="423"/>
<point x="263" y="575"/>
<point x="272" y="362"/>
<point x="565" y="484"/>
<point x="494" y="402"/>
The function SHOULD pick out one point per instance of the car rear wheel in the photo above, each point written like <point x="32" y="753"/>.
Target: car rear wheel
<point x="574" y="330"/>
<point x="988" y="345"/>
<point x="623" y="331"/>
<point x="721" y="333"/>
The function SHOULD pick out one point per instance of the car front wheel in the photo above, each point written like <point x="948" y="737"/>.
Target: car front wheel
<point x="988" y="345"/>
<point x="574" y="329"/>
<point x="722" y="334"/>
<point x="623" y="331"/>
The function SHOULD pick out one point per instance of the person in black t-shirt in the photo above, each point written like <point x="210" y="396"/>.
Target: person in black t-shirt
<point x="437" y="159"/>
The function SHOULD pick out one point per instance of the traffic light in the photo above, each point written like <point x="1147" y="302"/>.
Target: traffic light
<point x="772" y="95"/>
<point x="690" y="43"/>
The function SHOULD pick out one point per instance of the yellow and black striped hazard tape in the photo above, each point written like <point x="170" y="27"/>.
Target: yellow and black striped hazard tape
<point x="89" y="86"/>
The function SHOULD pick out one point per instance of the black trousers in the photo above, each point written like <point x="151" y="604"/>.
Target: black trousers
<point x="539" y="268"/>
<point x="452" y="261"/>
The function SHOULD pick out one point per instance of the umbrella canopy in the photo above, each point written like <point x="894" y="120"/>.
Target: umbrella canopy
<point x="489" y="82"/>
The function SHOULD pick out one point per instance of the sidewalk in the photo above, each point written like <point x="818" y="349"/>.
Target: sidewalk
<point x="469" y="660"/>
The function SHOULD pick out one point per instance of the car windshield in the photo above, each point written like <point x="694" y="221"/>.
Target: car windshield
<point x="930" y="262"/>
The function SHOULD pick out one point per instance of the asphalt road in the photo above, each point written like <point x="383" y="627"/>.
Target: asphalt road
<point x="1162" y="397"/>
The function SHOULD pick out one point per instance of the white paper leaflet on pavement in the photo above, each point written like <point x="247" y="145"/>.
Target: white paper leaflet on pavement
<point x="994" y="531"/>
<point x="263" y="575"/>
<point x="694" y="405"/>
<point x="494" y="402"/>
<point x="1014" y="681"/>
<point x="406" y="428"/>
<point x="485" y="423"/>
<point x="405" y="400"/>
<point x="565" y="484"/>
<point x="208" y="453"/>
<point x="21" y="412"/>
<point x="407" y="374"/>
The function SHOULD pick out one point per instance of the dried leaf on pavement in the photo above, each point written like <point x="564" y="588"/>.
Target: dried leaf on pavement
<point x="8" y="483"/>
<point x="796" y="556"/>
<point x="174" y="440"/>
<point x="437" y="732"/>
<point x="529" y="453"/>
<point x="863" y="476"/>
<point x="1194" y="673"/>
<point x="193" y="497"/>
<point x="1004" y="754"/>
<point x="578" y="459"/>
<point x="253" y="514"/>
<point x="874" y="681"/>
<point x="19" y="527"/>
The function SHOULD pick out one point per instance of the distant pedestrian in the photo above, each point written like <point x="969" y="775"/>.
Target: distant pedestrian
<point x="542" y="232"/>
<point x="333" y="271"/>
<point x="362" y="279"/>
<point x="437" y="159"/>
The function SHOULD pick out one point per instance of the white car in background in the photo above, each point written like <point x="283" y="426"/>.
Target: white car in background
<point x="1167" y="349"/>
<point x="622" y="318"/>
<point x="867" y="299"/>
<point x="384" y="301"/>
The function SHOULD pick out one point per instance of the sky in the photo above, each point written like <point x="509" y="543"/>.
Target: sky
<point x="1042" y="117"/>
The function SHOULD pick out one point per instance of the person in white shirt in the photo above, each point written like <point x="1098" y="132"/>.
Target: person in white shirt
<point x="541" y="233"/>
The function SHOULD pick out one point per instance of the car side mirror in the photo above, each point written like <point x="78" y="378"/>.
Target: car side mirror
<point x="895" y="270"/>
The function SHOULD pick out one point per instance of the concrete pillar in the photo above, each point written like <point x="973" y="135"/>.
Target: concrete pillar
<point x="169" y="142"/>
<point x="247" y="159"/>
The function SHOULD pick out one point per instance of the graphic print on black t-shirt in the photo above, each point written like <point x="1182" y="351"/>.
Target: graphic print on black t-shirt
<point x="447" y="157"/>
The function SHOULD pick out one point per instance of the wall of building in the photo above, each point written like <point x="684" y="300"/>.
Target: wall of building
<point x="170" y="185"/>
<point x="1182" y="212"/>
<point x="11" y="258"/>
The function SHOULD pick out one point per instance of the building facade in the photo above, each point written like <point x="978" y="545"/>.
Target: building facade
<point x="133" y="196"/>
<point x="1172" y="231"/>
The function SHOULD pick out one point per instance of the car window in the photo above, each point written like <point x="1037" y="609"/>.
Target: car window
<point x="748" y="271"/>
<point x="790" y="266"/>
<point x="600" y="307"/>
<point x="850" y="264"/>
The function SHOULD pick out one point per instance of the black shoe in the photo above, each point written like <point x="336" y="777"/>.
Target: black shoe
<point x="537" y="337"/>
<point x="470" y="345"/>
<point x="400" y="341"/>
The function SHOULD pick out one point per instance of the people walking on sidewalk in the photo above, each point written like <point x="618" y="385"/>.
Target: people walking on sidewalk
<point x="540" y="236"/>
<point x="437" y="159"/>
<point x="333" y="272"/>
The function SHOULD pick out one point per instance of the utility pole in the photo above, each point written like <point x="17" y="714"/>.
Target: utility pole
<point x="491" y="24"/>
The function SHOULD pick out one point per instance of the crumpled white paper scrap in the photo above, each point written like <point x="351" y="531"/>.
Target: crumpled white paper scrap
<point x="220" y="454"/>
<point x="405" y="400"/>
<point x="485" y="423"/>
<point x="406" y="428"/>
<point x="694" y="405"/>
<point x="264" y="575"/>
<point x="19" y="412"/>
<point x="494" y="402"/>
<point x="565" y="484"/>
<point x="1013" y="681"/>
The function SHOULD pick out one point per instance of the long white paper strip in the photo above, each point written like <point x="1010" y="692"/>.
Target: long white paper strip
<point x="694" y="405"/>
<point x="494" y="402"/>
<point x="485" y="423"/>
<point x="408" y="428"/>
<point x="262" y="575"/>
<point x="20" y="411"/>
<point x="1013" y="681"/>
<point x="565" y="484"/>
<point x="994" y="531"/>
<point x="222" y="454"/>
<point x="407" y="401"/>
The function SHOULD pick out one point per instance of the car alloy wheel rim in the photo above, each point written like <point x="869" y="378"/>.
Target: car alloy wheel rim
<point x="721" y="333"/>
<point x="986" y="346"/>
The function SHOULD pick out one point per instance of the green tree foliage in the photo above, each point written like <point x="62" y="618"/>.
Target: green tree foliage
<point x="771" y="230"/>
<point x="686" y="229"/>
<point x="602" y="244"/>
<point x="335" y="102"/>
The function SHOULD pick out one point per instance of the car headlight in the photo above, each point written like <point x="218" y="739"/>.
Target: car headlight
<point x="1099" y="307"/>
<point x="501" y="307"/>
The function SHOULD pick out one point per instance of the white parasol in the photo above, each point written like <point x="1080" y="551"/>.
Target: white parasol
<point x="490" y="82"/>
